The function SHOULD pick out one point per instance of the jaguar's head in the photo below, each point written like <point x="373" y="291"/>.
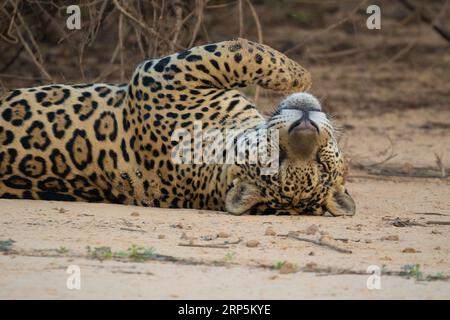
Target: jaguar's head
<point x="310" y="172"/>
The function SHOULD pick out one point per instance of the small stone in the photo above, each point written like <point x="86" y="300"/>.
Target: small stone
<point x="435" y="232"/>
<point x="312" y="230"/>
<point x="184" y="236"/>
<point x="135" y="214"/>
<point x="177" y="225"/>
<point x="326" y="239"/>
<point x="161" y="236"/>
<point x="288" y="268"/>
<point x="408" y="166"/>
<point x="208" y="237"/>
<point x="409" y="250"/>
<point x="311" y="266"/>
<point x="311" y="253"/>
<point x="223" y="235"/>
<point x="270" y="232"/>
<point x="390" y="238"/>
<point x="252" y="243"/>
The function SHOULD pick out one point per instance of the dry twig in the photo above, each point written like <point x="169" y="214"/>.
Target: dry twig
<point x="442" y="223"/>
<point x="331" y="27"/>
<point x="214" y="246"/>
<point x="425" y="18"/>
<point x="317" y="242"/>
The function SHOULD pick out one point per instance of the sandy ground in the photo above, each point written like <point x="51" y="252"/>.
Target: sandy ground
<point x="50" y="236"/>
<point x="388" y="90"/>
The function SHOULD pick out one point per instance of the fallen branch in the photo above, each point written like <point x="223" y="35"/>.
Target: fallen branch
<point x="395" y="171"/>
<point x="226" y="242"/>
<point x="319" y="243"/>
<point x="444" y="223"/>
<point x="431" y="213"/>
<point x="399" y="222"/>
<point x="214" y="246"/>
<point x="132" y="230"/>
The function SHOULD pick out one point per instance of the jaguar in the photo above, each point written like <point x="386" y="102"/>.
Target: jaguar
<point x="115" y="143"/>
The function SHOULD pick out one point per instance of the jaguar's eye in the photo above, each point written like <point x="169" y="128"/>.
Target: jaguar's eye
<point x="125" y="175"/>
<point x="138" y="174"/>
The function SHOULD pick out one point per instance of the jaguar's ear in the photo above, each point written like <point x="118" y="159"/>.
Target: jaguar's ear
<point x="340" y="203"/>
<point x="241" y="197"/>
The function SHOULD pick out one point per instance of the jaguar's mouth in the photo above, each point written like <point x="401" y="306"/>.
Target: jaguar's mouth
<point x="303" y="137"/>
<point x="304" y="125"/>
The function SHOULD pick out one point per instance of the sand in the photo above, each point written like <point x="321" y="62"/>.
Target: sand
<point x="51" y="236"/>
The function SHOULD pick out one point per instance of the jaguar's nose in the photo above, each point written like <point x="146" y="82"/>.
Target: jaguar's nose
<point x="304" y="124"/>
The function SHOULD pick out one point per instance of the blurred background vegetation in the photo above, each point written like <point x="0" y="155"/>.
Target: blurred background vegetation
<point x="405" y="64"/>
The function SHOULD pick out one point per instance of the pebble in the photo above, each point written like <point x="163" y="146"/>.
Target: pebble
<point x="135" y="214"/>
<point x="390" y="238"/>
<point x="312" y="229"/>
<point x="270" y="232"/>
<point x="223" y="235"/>
<point x="288" y="268"/>
<point x="208" y="237"/>
<point x="161" y="236"/>
<point x="409" y="250"/>
<point x="252" y="243"/>
<point x="311" y="266"/>
<point x="184" y="236"/>
<point x="326" y="239"/>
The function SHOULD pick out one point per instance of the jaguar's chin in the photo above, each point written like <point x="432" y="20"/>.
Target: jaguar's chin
<point x="304" y="143"/>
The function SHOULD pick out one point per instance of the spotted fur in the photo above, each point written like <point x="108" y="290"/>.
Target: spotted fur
<point x="112" y="143"/>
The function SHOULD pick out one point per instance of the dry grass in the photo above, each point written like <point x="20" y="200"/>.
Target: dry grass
<point x="122" y="30"/>
<point x="115" y="35"/>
